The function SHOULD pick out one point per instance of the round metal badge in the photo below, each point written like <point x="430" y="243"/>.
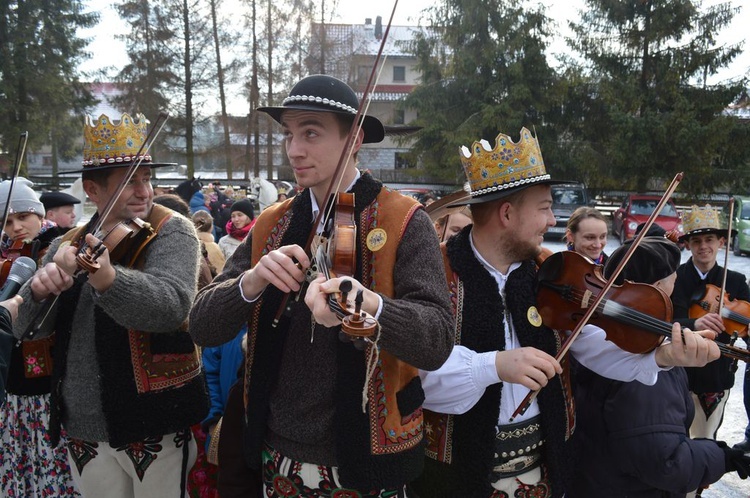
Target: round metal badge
<point x="533" y="316"/>
<point x="376" y="239"/>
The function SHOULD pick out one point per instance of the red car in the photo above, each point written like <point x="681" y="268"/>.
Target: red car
<point x="636" y="208"/>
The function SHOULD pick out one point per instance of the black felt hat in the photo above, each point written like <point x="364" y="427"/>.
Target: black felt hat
<point x="324" y="93"/>
<point x="52" y="200"/>
<point x="655" y="258"/>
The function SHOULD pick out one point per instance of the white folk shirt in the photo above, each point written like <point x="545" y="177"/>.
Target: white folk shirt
<point x="459" y="384"/>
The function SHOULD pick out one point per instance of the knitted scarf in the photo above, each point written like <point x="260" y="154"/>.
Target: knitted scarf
<point x="239" y="233"/>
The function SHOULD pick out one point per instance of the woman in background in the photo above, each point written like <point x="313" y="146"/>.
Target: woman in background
<point x="587" y="234"/>
<point x="242" y="220"/>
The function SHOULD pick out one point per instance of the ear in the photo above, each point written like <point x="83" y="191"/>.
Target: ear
<point x="358" y="140"/>
<point x="505" y="212"/>
<point x="92" y="189"/>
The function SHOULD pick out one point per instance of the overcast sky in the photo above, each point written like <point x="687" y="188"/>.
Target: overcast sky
<point x="107" y="51"/>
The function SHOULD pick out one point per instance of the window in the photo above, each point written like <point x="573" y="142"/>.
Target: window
<point x="363" y="73"/>
<point x="402" y="161"/>
<point x="398" y="116"/>
<point x="399" y="73"/>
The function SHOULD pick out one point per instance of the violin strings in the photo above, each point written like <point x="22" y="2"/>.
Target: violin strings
<point x="639" y="318"/>
<point x="634" y="317"/>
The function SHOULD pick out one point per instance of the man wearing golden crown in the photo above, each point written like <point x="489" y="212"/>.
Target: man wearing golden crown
<point x="325" y="418"/>
<point x="127" y="381"/>
<point x="504" y="349"/>
<point x="710" y="385"/>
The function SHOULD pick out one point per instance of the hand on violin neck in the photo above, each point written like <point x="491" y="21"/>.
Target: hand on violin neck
<point x="530" y="367"/>
<point x="284" y="268"/>
<point x="49" y="280"/>
<point x="710" y="321"/>
<point x="320" y="289"/>
<point x="687" y="348"/>
<point x="102" y="279"/>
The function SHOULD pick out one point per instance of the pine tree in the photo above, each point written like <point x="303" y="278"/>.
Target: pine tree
<point x="40" y="90"/>
<point x="646" y="64"/>
<point x="484" y="71"/>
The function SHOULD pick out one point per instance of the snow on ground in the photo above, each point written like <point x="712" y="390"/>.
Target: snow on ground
<point x="735" y="419"/>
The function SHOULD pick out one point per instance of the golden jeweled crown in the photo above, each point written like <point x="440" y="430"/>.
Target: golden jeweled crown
<point x="107" y="142"/>
<point x="701" y="219"/>
<point x="508" y="165"/>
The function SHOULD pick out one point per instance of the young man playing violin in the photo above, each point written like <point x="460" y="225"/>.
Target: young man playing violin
<point x="326" y="418"/>
<point x="503" y="348"/>
<point x="710" y="385"/>
<point x="127" y="381"/>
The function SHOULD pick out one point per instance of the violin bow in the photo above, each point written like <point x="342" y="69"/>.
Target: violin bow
<point x="726" y="255"/>
<point x="20" y="151"/>
<point x="594" y="305"/>
<point x="346" y="153"/>
<point x="364" y="104"/>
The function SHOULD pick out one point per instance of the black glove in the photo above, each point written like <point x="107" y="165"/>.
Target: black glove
<point x="735" y="460"/>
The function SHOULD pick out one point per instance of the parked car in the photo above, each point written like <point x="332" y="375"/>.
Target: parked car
<point x="566" y="198"/>
<point x="741" y="223"/>
<point x="636" y="209"/>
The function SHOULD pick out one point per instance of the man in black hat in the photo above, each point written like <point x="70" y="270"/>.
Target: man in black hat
<point x="60" y="209"/>
<point x="325" y="417"/>
<point x="503" y="347"/>
<point x="127" y="380"/>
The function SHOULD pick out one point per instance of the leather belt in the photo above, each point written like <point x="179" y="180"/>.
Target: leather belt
<point x="517" y="448"/>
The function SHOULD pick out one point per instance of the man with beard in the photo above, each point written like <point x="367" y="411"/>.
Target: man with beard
<point x="503" y="349"/>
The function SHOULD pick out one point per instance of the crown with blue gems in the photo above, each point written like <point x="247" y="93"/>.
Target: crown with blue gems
<point x="506" y="167"/>
<point x="107" y="142"/>
<point x="702" y="220"/>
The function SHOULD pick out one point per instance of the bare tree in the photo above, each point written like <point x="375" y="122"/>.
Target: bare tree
<point x="222" y="95"/>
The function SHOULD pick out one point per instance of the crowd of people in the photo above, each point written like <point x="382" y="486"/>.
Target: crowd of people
<point x="349" y="341"/>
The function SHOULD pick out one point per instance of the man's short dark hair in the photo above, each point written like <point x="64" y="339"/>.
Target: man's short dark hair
<point x="98" y="176"/>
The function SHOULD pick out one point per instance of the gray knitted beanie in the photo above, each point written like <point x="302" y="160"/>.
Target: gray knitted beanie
<point x="24" y="200"/>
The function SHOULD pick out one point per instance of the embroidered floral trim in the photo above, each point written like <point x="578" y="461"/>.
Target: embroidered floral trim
<point x="81" y="452"/>
<point x="142" y="453"/>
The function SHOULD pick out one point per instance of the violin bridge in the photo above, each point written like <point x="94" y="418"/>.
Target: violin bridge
<point x="586" y="299"/>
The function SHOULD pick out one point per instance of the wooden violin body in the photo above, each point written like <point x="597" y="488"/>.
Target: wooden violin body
<point x="118" y="241"/>
<point x="568" y="283"/>
<point x="636" y="317"/>
<point x="735" y="314"/>
<point x="17" y="249"/>
<point x="336" y="257"/>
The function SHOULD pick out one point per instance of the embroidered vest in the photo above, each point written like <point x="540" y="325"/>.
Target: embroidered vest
<point x="151" y="383"/>
<point x="460" y="447"/>
<point x="384" y="447"/>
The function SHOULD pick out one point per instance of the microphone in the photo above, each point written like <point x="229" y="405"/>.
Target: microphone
<point x="21" y="271"/>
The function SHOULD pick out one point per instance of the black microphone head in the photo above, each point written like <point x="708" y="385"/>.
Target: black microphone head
<point x="22" y="270"/>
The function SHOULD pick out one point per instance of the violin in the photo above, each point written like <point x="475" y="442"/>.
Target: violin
<point x="118" y="241"/>
<point x="735" y="314"/>
<point x="17" y="249"/>
<point x="635" y="316"/>
<point x="336" y="256"/>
